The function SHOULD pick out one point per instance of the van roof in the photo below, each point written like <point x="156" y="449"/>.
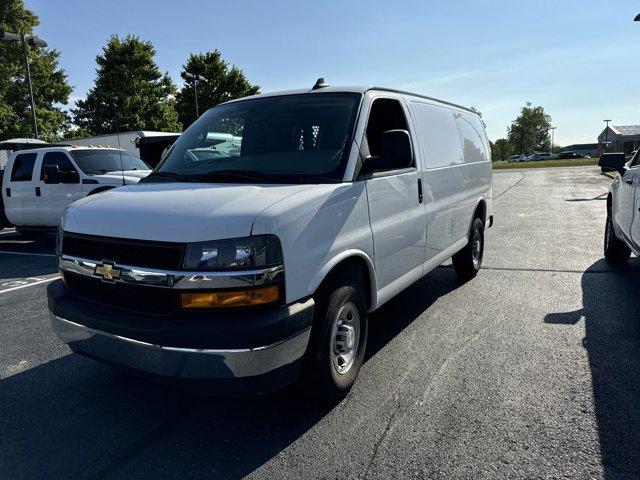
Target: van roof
<point x="350" y="89"/>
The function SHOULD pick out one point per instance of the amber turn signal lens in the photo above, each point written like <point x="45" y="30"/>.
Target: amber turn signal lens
<point x="232" y="298"/>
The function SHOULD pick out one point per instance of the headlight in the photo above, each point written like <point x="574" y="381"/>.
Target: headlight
<point x="248" y="253"/>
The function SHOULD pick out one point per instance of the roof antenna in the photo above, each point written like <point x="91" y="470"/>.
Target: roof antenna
<point x="115" y="116"/>
<point x="320" y="83"/>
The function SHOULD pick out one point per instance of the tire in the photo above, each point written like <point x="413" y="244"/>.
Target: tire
<point x="615" y="250"/>
<point x="467" y="262"/>
<point x="337" y="343"/>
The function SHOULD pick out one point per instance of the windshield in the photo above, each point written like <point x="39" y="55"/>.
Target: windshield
<point x="103" y="161"/>
<point x="290" y="138"/>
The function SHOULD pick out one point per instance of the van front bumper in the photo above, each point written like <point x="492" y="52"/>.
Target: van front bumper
<point x="106" y="335"/>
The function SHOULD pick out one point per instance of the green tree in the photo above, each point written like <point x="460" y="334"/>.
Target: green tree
<point x="530" y="131"/>
<point x="223" y="83"/>
<point x="50" y="87"/>
<point x="130" y="91"/>
<point x="500" y="150"/>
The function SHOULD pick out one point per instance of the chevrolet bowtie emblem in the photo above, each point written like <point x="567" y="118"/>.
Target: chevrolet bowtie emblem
<point x="107" y="271"/>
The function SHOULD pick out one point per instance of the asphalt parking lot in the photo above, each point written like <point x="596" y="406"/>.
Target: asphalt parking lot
<point x="531" y="370"/>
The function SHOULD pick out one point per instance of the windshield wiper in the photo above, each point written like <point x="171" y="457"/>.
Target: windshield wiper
<point x="160" y="176"/>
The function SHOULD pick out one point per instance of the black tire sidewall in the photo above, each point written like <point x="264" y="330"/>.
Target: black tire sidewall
<point x="615" y="250"/>
<point x="608" y="235"/>
<point x="319" y="366"/>
<point x="478" y="226"/>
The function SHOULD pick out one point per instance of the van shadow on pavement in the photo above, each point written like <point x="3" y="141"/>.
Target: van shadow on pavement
<point x="611" y="312"/>
<point x="75" y="418"/>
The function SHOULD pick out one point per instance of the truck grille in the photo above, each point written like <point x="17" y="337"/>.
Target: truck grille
<point x="156" y="301"/>
<point x="139" y="253"/>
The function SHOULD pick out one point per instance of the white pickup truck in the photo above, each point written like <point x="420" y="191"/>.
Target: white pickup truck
<point x="255" y="263"/>
<point x="622" y="232"/>
<point x="39" y="184"/>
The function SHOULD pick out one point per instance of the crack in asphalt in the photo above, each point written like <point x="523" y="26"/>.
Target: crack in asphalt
<point x="381" y="438"/>
<point x="509" y="188"/>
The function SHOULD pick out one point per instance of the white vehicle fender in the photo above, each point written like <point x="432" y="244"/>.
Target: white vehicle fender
<point x="487" y="212"/>
<point x="319" y="277"/>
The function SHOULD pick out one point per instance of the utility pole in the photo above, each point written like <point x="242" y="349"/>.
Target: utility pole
<point x="34" y="42"/>
<point x="28" y="70"/>
<point x="553" y="131"/>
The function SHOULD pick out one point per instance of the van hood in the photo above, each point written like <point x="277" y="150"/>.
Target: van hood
<point x="115" y="177"/>
<point x="175" y="212"/>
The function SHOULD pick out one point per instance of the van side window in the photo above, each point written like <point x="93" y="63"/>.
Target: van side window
<point x="472" y="143"/>
<point x="23" y="167"/>
<point x="60" y="159"/>
<point x="636" y="160"/>
<point x="386" y="114"/>
<point x="440" y="133"/>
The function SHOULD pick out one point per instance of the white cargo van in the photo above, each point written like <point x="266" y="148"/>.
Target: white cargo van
<point x="257" y="265"/>
<point x="622" y="228"/>
<point x="39" y="184"/>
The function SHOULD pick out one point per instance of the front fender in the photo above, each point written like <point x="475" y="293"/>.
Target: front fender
<point x="319" y="277"/>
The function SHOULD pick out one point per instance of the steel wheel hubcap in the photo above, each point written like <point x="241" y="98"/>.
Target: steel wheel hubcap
<point x="345" y="338"/>
<point x="476" y="247"/>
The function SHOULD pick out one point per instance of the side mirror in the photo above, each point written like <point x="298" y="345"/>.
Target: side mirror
<point x="613" y="162"/>
<point x="51" y="174"/>
<point x="70" y="177"/>
<point x="395" y="152"/>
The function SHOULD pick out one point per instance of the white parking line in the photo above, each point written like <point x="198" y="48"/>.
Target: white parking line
<point x="24" y="283"/>
<point x="26" y="253"/>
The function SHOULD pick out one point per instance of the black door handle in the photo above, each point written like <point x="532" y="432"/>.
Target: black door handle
<point x="419" y="190"/>
<point x="38" y="192"/>
<point x="8" y="192"/>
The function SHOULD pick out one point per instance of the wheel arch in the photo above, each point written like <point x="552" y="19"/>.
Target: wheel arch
<point x="346" y="261"/>
<point x="481" y="210"/>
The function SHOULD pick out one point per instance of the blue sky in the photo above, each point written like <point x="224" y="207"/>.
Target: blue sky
<point x="577" y="58"/>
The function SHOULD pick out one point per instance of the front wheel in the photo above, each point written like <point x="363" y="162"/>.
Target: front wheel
<point x="615" y="250"/>
<point x="467" y="261"/>
<point x="338" y="341"/>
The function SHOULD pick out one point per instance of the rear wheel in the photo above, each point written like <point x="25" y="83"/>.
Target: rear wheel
<point x="338" y="341"/>
<point x="467" y="261"/>
<point x="615" y="250"/>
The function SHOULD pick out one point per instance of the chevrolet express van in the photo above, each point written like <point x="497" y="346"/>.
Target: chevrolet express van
<point x="622" y="227"/>
<point x="39" y="184"/>
<point x="257" y="265"/>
